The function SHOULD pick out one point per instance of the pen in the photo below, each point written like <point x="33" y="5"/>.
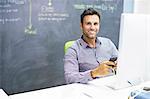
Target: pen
<point x="130" y="83"/>
<point x="88" y="95"/>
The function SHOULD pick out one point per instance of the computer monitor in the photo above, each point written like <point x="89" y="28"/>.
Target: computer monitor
<point x="133" y="65"/>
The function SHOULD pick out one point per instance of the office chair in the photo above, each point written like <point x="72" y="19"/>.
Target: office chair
<point x="67" y="45"/>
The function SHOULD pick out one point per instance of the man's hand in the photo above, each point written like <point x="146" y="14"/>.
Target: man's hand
<point x="103" y="69"/>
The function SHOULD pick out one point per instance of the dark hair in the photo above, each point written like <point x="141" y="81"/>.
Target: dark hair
<point x="89" y="11"/>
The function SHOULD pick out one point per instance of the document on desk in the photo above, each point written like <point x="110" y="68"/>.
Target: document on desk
<point x="118" y="83"/>
<point x="89" y="91"/>
<point x="112" y="82"/>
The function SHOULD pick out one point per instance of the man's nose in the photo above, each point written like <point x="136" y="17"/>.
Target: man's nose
<point x="92" y="26"/>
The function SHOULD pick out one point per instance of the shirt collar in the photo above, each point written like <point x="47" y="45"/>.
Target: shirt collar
<point x="85" y="45"/>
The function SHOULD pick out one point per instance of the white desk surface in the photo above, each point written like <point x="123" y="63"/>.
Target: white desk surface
<point x="93" y="90"/>
<point x="3" y="95"/>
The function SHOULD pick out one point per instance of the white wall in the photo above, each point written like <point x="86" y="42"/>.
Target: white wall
<point x="137" y="6"/>
<point x="141" y="6"/>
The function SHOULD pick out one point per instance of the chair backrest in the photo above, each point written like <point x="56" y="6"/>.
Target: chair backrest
<point x="67" y="45"/>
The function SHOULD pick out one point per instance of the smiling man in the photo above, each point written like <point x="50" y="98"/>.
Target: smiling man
<point x="88" y="58"/>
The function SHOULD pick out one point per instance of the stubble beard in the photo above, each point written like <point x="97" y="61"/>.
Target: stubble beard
<point x="90" y="36"/>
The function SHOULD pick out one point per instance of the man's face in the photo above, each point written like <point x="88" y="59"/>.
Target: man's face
<point x="90" y="26"/>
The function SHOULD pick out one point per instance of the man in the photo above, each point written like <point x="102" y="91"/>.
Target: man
<point x="88" y="58"/>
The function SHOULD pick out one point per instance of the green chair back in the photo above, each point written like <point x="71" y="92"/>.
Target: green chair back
<point x="67" y="45"/>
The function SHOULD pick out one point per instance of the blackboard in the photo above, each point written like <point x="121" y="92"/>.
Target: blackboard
<point x="0" y="64"/>
<point x="34" y="34"/>
<point x="1" y="32"/>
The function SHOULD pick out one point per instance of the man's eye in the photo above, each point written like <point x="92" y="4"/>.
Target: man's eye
<point x="95" y="23"/>
<point x="88" y="23"/>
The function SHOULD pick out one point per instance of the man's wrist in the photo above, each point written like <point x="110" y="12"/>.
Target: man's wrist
<point x="93" y="74"/>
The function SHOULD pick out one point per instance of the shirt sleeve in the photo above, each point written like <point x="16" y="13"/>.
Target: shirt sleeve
<point x="71" y="69"/>
<point x="114" y="50"/>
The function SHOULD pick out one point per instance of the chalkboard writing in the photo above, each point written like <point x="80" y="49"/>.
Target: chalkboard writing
<point x="33" y="34"/>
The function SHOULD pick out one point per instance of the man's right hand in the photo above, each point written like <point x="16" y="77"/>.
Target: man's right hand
<point x="103" y="69"/>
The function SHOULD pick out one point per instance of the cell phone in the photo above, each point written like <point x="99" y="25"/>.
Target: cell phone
<point x="113" y="59"/>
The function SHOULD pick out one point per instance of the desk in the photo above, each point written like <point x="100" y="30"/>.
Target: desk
<point x="93" y="90"/>
<point x="3" y="95"/>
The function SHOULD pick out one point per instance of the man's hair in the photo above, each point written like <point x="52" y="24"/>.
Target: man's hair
<point x="89" y="11"/>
